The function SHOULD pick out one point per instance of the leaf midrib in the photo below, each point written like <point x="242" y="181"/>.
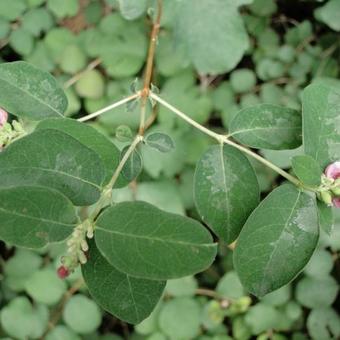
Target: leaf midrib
<point x="35" y="218"/>
<point x="31" y="96"/>
<point x="155" y="238"/>
<point x="278" y="239"/>
<point x="265" y="128"/>
<point x="58" y="172"/>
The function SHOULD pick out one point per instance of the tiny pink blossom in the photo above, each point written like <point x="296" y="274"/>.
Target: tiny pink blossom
<point x="3" y="117"/>
<point x="336" y="202"/>
<point x="63" y="272"/>
<point x="333" y="170"/>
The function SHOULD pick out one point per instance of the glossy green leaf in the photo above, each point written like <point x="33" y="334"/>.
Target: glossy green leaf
<point x="267" y="126"/>
<point x="28" y="92"/>
<point x="133" y="166"/>
<point x="128" y="298"/>
<point x="199" y="21"/>
<point x="91" y="138"/>
<point x="326" y="218"/>
<point x="307" y="169"/>
<point x="160" y="141"/>
<point x="143" y="241"/>
<point x="321" y="121"/>
<point x="225" y="190"/>
<point x="35" y="216"/>
<point x="132" y="9"/>
<point x="277" y="240"/>
<point x="53" y="159"/>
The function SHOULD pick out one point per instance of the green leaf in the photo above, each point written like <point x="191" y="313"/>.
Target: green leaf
<point x="329" y="14"/>
<point x="326" y="218"/>
<point x="307" y="169"/>
<point x="63" y="332"/>
<point x="160" y="141"/>
<point x="182" y="89"/>
<point x="63" y="8"/>
<point x="21" y="320"/>
<point x="278" y="297"/>
<point x="53" y="159"/>
<point x="143" y="241"/>
<point x="5" y="28"/>
<point x="28" y="92"/>
<point x="242" y="80"/>
<point x="35" y="216"/>
<point x="73" y="59"/>
<point x="37" y="20"/>
<point x="323" y="323"/>
<point x="277" y="240"/>
<point x="128" y="298"/>
<point x="123" y="46"/>
<point x="82" y="314"/>
<point x="321" y="121"/>
<point x="262" y="317"/>
<point x="225" y="190"/>
<point x="230" y="286"/>
<point x="132" y="9"/>
<point x="11" y="10"/>
<point x="21" y="41"/>
<point x="267" y="126"/>
<point x="313" y="292"/>
<point x="133" y="166"/>
<point x="320" y="265"/>
<point x="91" y="138"/>
<point x="45" y="286"/>
<point x="180" y="318"/>
<point x="20" y="267"/>
<point x="185" y="286"/>
<point x="91" y="85"/>
<point x="198" y="22"/>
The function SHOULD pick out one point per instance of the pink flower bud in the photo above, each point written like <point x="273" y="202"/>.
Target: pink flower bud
<point x="3" y="117"/>
<point x="63" y="272"/>
<point x="336" y="202"/>
<point x="333" y="170"/>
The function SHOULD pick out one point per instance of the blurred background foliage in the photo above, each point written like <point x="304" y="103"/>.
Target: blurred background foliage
<point x="97" y="49"/>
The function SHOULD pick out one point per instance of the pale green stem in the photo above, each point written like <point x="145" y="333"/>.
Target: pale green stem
<point x="125" y="158"/>
<point x="223" y="139"/>
<point x="110" y="107"/>
<point x="108" y="189"/>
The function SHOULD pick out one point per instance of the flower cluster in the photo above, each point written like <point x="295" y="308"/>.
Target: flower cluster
<point x="77" y="249"/>
<point x="9" y="132"/>
<point x="330" y="187"/>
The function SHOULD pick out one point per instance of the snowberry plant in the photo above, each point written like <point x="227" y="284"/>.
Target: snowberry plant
<point x="56" y="185"/>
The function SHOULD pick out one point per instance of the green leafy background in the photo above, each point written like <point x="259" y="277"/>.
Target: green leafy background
<point x="248" y="53"/>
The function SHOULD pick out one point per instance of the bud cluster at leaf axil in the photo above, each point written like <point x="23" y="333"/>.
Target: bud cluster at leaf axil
<point x="77" y="249"/>
<point x="8" y="132"/>
<point x="329" y="191"/>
